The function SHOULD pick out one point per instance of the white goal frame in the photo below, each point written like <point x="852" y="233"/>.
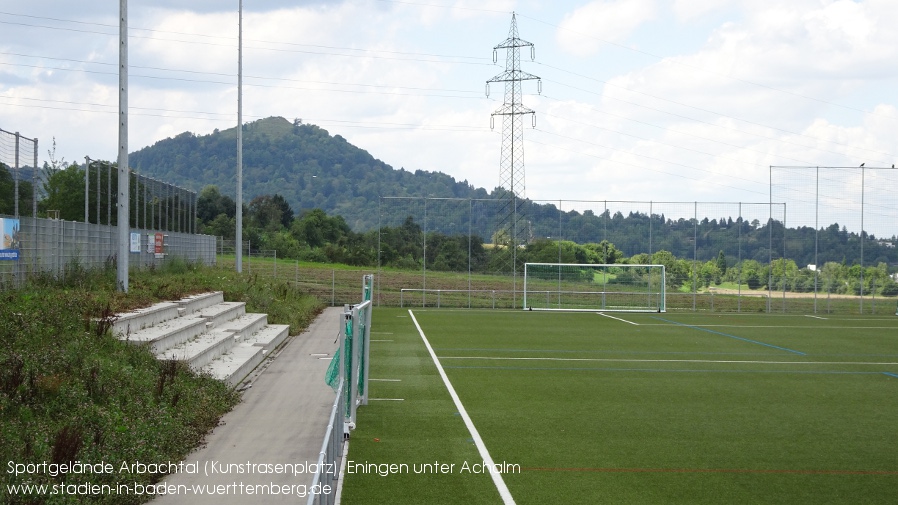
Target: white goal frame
<point x="581" y="295"/>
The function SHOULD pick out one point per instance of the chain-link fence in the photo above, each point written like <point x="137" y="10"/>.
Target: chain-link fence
<point x="16" y="153"/>
<point x="56" y="192"/>
<point x="332" y="284"/>
<point x="720" y="256"/>
<point x="154" y="204"/>
<point x="844" y="231"/>
<point x="54" y="245"/>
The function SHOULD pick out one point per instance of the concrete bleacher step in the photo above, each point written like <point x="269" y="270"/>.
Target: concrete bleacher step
<point x="270" y="337"/>
<point x="236" y="364"/>
<point x="200" y="351"/>
<point x="209" y="334"/>
<point x="222" y="313"/>
<point x="199" y="302"/>
<point x="245" y="325"/>
<point x="170" y="333"/>
<point x="136" y="320"/>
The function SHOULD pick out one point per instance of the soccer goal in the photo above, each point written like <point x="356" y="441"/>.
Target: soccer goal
<point x="585" y="287"/>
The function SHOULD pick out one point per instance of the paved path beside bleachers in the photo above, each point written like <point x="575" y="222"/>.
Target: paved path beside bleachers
<point x="281" y="420"/>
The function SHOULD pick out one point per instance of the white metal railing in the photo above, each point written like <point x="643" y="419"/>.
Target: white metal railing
<point x="322" y="491"/>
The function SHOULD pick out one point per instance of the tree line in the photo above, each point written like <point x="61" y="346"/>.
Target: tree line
<point x="701" y="253"/>
<point x="313" y="235"/>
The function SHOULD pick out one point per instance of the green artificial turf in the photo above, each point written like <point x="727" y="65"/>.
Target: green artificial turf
<point x="678" y="408"/>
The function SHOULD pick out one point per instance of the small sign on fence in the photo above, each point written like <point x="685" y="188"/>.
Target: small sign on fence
<point x="135" y="242"/>
<point x="9" y="239"/>
<point x="159" y="245"/>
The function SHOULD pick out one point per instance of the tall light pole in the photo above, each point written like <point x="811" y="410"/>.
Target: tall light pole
<point x="238" y="243"/>
<point x="123" y="179"/>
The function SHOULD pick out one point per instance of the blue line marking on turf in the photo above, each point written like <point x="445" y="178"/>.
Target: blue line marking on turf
<point x="730" y="336"/>
<point x="890" y="374"/>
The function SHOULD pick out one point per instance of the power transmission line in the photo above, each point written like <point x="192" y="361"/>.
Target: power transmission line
<point x="511" y="165"/>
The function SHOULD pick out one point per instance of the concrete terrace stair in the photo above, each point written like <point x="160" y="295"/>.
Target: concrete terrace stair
<point x="239" y="361"/>
<point x="245" y="325"/>
<point x="200" y="351"/>
<point x="204" y="331"/>
<point x="246" y="355"/>
<point x="167" y="334"/>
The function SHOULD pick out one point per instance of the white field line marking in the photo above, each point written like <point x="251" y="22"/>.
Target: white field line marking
<point x="381" y="332"/>
<point x="379" y="340"/>
<point x="619" y="319"/>
<point x="342" y="477"/>
<point x="386" y="399"/>
<point x="386" y="380"/>
<point x="780" y="326"/>
<point x="481" y="447"/>
<point x="815" y="317"/>
<point x="627" y="360"/>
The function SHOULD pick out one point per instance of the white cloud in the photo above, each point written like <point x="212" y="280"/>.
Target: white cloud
<point x="703" y="122"/>
<point x="583" y="31"/>
<point x="687" y="10"/>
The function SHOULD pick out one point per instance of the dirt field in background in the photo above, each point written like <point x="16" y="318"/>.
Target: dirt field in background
<point x="788" y="294"/>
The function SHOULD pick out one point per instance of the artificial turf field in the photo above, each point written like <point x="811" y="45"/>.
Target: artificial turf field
<point x="629" y="408"/>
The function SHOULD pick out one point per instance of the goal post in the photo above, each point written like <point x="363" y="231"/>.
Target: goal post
<point x="594" y="287"/>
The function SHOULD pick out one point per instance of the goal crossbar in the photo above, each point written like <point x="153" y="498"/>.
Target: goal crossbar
<point x="589" y="287"/>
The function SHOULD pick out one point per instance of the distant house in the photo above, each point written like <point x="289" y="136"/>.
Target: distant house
<point x="812" y="268"/>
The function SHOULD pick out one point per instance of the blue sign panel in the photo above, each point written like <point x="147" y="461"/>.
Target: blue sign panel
<point x="9" y="239"/>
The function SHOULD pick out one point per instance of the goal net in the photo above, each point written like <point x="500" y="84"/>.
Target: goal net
<point x="585" y="287"/>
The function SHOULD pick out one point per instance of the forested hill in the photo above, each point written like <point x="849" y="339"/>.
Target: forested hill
<point x="303" y="163"/>
<point x="311" y="169"/>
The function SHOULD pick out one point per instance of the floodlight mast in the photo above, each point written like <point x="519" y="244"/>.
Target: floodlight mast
<point x="123" y="171"/>
<point x="238" y="239"/>
<point x="511" y="161"/>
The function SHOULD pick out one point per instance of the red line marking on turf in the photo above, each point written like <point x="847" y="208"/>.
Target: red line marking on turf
<point x="714" y="470"/>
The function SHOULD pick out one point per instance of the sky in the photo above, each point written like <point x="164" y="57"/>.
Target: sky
<point x="642" y="100"/>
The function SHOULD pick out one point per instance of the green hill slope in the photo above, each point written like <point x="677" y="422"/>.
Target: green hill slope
<point x="311" y="169"/>
<point x="304" y="163"/>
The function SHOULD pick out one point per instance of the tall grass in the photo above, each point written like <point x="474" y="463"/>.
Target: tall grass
<point x="70" y="391"/>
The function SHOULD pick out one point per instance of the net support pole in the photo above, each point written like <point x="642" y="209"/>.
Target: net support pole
<point x="741" y="267"/>
<point x="862" y="239"/>
<point x="86" y="187"/>
<point x="816" y="234"/>
<point x="34" y="183"/>
<point x="16" y="179"/>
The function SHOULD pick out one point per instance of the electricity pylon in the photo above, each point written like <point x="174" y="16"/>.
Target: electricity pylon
<point x="511" y="161"/>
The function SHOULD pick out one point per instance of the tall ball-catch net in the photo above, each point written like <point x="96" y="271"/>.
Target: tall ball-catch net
<point x="588" y="287"/>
